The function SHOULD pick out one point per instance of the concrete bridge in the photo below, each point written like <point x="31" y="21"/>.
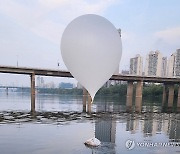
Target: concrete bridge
<point x="168" y="84"/>
<point x="7" y="87"/>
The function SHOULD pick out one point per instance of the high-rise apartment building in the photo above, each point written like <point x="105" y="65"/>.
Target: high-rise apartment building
<point x="40" y="82"/>
<point x="117" y="69"/>
<point x="170" y="66"/>
<point x="119" y="31"/>
<point x="177" y="64"/>
<point x="136" y="65"/>
<point x="111" y="82"/>
<point x="173" y="69"/>
<point x="164" y="67"/>
<point x="153" y="64"/>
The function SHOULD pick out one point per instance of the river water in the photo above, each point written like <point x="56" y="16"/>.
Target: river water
<point x="61" y="126"/>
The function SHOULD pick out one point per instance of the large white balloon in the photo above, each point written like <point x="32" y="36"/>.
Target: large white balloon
<point x="91" y="49"/>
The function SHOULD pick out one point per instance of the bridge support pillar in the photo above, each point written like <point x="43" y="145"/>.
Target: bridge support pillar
<point x="138" y="102"/>
<point x="129" y="96"/>
<point x="89" y="103"/>
<point x="33" y="93"/>
<point x="171" y="95"/>
<point x="7" y="91"/>
<point x="178" y="100"/>
<point x="164" y="97"/>
<point x="84" y="99"/>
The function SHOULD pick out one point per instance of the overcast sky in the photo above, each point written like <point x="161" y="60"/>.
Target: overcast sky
<point x="31" y="30"/>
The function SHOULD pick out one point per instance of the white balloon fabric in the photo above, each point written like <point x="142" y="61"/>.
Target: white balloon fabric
<point x="91" y="49"/>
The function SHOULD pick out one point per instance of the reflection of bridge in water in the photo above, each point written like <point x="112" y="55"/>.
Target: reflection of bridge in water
<point x="152" y="124"/>
<point x="168" y="90"/>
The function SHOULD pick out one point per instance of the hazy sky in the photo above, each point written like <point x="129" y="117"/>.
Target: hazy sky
<point x="31" y="30"/>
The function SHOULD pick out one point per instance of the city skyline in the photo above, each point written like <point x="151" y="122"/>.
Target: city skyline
<point x="31" y="30"/>
<point x="167" y="67"/>
<point x="155" y="64"/>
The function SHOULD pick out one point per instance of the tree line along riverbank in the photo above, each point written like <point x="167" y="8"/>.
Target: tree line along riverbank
<point x="112" y="91"/>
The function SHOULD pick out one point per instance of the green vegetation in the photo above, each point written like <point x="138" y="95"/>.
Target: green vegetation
<point x="148" y="90"/>
<point x="152" y="90"/>
<point x="156" y="90"/>
<point x="113" y="91"/>
<point x="61" y="91"/>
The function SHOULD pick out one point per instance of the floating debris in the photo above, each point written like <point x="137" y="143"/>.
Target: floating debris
<point x="92" y="142"/>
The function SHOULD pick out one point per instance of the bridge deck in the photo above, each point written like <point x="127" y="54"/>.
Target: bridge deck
<point x="59" y="73"/>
